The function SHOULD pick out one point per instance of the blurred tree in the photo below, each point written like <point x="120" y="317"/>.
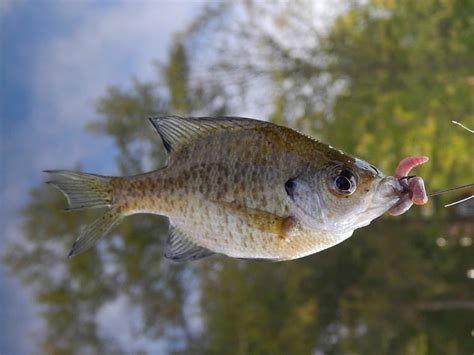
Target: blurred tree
<point x="176" y="74"/>
<point x="384" y="82"/>
<point x="381" y="79"/>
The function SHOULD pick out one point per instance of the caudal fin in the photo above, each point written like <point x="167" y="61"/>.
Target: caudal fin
<point x="82" y="190"/>
<point x="87" y="191"/>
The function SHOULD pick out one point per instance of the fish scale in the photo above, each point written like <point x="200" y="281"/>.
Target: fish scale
<point x="239" y="187"/>
<point x="199" y="181"/>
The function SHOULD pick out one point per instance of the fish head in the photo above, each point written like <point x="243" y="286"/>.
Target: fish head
<point x="354" y="193"/>
<point x="348" y="193"/>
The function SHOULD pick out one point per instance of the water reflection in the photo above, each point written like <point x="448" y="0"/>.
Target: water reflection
<point x="385" y="288"/>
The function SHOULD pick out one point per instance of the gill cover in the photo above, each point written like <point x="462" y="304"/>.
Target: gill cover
<point x="306" y="202"/>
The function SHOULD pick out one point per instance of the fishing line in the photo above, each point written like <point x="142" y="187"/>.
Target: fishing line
<point x="444" y="191"/>
<point x="463" y="126"/>
<point x="453" y="189"/>
<point x="407" y="177"/>
<point x="455" y="203"/>
<point x="449" y="190"/>
<point x="460" y="187"/>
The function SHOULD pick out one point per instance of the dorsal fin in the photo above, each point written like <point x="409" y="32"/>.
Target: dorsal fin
<point x="177" y="131"/>
<point x="179" y="247"/>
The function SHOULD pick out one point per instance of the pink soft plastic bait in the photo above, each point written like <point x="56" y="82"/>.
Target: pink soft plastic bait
<point x="415" y="192"/>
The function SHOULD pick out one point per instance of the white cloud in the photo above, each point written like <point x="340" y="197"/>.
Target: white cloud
<point x="109" y="47"/>
<point x="106" y="46"/>
<point x="121" y="321"/>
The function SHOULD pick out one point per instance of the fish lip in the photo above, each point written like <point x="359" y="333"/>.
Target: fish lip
<point x="399" y="193"/>
<point x="396" y="186"/>
<point x="392" y="188"/>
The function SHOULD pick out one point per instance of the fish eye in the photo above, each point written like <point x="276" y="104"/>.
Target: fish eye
<point x="345" y="181"/>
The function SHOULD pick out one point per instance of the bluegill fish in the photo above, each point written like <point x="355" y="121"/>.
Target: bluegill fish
<point x="246" y="189"/>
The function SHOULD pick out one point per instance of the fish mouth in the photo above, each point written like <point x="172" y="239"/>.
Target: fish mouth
<point x="405" y="190"/>
<point x="393" y="195"/>
<point x="401" y="196"/>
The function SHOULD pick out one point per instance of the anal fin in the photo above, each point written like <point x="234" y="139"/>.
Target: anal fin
<point x="93" y="232"/>
<point x="179" y="247"/>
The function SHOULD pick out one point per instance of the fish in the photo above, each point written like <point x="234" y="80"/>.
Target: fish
<point x="244" y="188"/>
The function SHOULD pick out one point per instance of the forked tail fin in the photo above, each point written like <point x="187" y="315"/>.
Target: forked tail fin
<point x="82" y="190"/>
<point x="87" y="191"/>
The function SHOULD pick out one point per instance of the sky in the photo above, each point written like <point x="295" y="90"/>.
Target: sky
<point x="56" y="59"/>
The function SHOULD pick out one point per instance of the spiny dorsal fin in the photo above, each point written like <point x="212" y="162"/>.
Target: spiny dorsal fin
<point x="177" y="131"/>
<point x="179" y="247"/>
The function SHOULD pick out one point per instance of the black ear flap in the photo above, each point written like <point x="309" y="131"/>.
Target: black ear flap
<point x="290" y="187"/>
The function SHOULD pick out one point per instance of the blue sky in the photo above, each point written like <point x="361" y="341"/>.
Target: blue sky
<point x="56" y="59"/>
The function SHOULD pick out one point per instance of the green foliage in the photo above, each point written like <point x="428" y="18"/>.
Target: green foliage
<point x="409" y="69"/>
<point x="396" y="287"/>
<point x="176" y="75"/>
<point x="125" y="120"/>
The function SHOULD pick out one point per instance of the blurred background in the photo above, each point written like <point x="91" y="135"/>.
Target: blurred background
<point x="379" y="79"/>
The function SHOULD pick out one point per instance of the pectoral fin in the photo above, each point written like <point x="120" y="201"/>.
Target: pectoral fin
<point x="262" y="220"/>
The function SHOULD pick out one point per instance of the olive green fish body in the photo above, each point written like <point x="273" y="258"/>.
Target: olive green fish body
<point x="232" y="199"/>
<point x="243" y="188"/>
